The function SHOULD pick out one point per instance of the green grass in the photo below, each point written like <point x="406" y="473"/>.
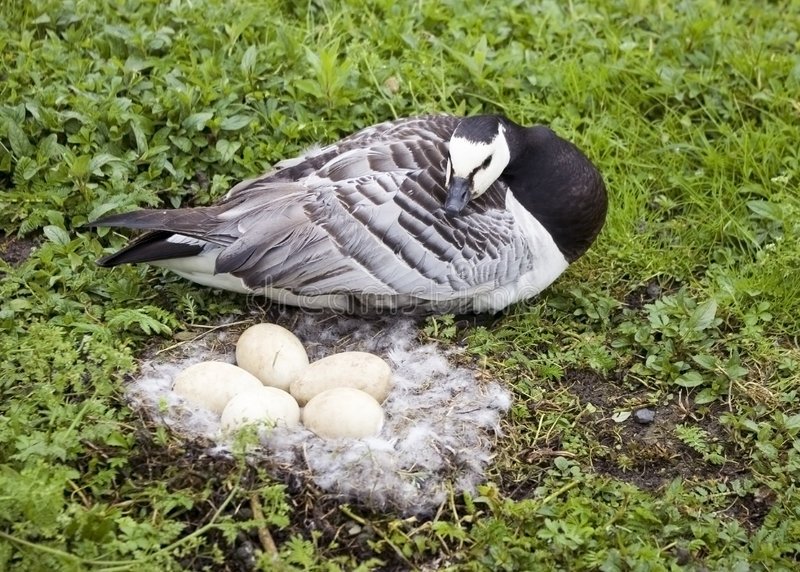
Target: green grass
<point x="689" y="303"/>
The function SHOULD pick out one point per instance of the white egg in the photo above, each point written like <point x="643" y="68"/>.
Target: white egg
<point x="211" y="384"/>
<point x="359" y="370"/>
<point x="343" y="412"/>
<point x="272" y="353"/>
<point x="265" y="405"/>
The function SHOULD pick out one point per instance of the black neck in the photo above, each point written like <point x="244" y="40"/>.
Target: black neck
<point x="555" y="182"/>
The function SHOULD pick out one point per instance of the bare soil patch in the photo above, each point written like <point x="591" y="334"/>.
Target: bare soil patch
<point x="15" y="250"/>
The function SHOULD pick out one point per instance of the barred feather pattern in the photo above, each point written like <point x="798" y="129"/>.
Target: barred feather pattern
<point x="362" y="218"/>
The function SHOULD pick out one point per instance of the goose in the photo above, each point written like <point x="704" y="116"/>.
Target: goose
<point x="430" y="214"/>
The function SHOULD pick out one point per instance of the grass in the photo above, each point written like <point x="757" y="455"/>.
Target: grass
<point x="689" y="303"/>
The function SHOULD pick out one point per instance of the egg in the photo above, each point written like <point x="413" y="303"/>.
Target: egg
<point x="267" y="405"/>
<point x="211" y="384"/>
<point x="343" y="412"/>
<point x="359" y="370"/>
<point x="272" y="353"/>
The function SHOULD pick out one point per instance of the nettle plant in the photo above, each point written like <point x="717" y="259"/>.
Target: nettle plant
<point x="680" y="341"/>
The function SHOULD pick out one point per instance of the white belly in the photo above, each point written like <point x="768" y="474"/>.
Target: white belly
<point x="548" y="263"/>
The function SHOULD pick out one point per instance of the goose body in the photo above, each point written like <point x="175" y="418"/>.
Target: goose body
<point x="427" y="214"/>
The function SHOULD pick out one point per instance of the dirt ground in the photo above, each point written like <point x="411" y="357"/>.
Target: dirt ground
<point x="654" y="457"/>
<point x="14" y="250"/>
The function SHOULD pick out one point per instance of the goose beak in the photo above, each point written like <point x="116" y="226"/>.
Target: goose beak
<point x="457" y="196"/>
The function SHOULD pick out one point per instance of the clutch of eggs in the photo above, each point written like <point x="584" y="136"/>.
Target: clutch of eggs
<point x="340" y="394"/>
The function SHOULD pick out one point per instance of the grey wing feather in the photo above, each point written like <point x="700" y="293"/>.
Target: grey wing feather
<point x="359" y="216"/>
<point x="429" y="130"/>
<point x="374" y="240"/>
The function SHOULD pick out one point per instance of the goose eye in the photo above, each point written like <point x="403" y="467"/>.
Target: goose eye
<point x="486" y="163"/>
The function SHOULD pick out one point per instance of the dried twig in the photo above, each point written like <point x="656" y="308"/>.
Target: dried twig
<point x="267" y="543"/>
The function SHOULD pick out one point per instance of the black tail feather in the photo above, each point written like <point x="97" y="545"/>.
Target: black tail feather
<point x="182" y="221"/>
<point x="150" y="247"/>
<point x="162" y="224"/>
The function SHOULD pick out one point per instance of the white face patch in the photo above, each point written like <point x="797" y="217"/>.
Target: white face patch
<point x="480" y="163"/>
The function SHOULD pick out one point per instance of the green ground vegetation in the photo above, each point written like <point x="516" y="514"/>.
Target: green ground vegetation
<point x="688" y="305"/>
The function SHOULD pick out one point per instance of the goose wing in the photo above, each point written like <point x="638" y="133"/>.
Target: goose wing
<point x="409" y="143"/>
<point x="381" y="234"/>
<point x="361" y="216"/>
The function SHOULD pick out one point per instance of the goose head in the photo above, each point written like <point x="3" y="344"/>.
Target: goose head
<point x="478" y="155"/>
<point x="548" y="176"/>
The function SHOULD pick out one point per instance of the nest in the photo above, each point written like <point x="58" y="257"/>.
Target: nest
<point x="442" y="419"/>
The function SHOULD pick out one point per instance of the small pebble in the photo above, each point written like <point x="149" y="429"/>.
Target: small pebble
<point x="644" y="416"/>
<point x="246" y="553"/>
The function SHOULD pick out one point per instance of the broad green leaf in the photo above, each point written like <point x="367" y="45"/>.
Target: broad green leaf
<point x="197" y="121"/>
<point x="15" y="113"/>
<point x="27" y="167"/>
<point x="734" y="370"/>
<point x="102" y="208"/>
<point x="156" y="151"/>
<point x="34" y="109"/>
<point x="18" y="140"/>
<point x="227" y="149"/>
<point x="792" y="423"/>
<point x="249" y="60"/>
<point x="706" y="395"/>
<point x="182" y="143"/>
<point x="56" y="234"/>
<point x="135" y="64"/>
<point x="309" y="86"/>
<point x="80" y="166"/>
<point x="766" y="209"/>
<point x="561" y="463"/>
<point x="769" y="450"/>
<point x="707" y="362"/>
<point x="141" y="138"/>
<point x="19" y="304"/>
<point x="99" y="160"/>
<point x="691" y="378"/>
<point x="49" y="148"/>
<point x="234" y="122"/>
<point x="703" y="316"/>
<point x="750" y="425"/>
